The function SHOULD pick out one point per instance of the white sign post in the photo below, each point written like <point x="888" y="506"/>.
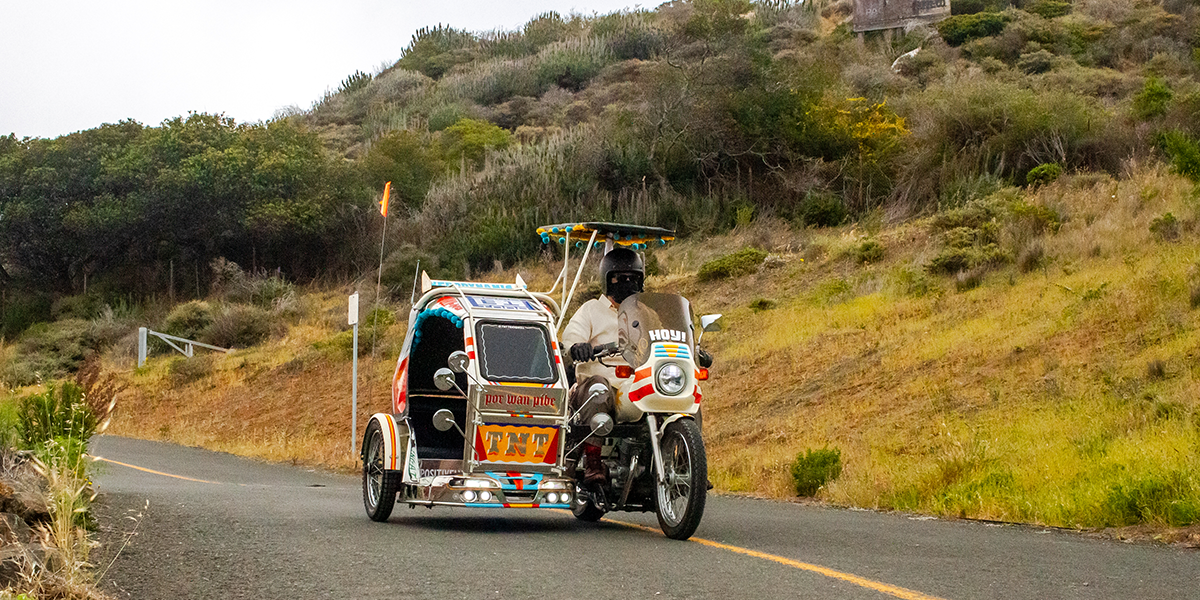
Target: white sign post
<point x="354" y="385"/>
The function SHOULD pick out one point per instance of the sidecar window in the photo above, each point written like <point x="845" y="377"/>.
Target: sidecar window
<point x="515" y="352"/>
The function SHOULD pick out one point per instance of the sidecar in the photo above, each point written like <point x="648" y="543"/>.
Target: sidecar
<point x="496" y="436"/>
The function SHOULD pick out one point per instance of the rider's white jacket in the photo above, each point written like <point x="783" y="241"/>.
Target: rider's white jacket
<point x="595" y="323"/>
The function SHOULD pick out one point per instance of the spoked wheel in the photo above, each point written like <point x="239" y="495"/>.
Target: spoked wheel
<point x="684" y="488"/>
<point x="583" y="508"/>
<point x="379" y="484"/>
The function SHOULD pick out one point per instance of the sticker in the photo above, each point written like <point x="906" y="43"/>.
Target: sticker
<point x="667" y="335"/>
<point x="489" y="303"/>
<point x="499" y="442"/>
<point x="503" y="401"/>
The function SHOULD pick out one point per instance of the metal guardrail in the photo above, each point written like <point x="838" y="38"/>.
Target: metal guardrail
<point x="188" y="345"/>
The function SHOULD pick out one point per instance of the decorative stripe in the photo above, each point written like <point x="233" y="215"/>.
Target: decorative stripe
<point x="641" y="392"/>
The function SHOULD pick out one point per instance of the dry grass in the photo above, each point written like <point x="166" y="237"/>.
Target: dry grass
<point x="1029" y="398"/>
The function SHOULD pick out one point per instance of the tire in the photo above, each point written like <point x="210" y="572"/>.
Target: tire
<point x="584" y="510"/>
<point x="679" y="499"/>
<point x="379" y="484"/>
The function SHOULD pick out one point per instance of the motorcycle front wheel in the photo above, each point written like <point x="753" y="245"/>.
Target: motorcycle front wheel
<point x="681" y="493"/>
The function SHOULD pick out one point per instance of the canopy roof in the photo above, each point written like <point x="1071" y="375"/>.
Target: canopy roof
<point x="637" y="237"/>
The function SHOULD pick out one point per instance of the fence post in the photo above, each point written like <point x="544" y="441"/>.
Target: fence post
<point x="141" y="346"/>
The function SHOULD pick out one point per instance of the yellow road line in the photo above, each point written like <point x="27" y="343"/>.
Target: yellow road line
<point x="878" y="586"/>
<point x="117" y="462"/>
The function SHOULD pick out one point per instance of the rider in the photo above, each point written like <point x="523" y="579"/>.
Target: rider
<point x="622" y="274"/>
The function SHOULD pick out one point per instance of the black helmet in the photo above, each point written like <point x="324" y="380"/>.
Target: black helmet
<point x="621" y="260"/>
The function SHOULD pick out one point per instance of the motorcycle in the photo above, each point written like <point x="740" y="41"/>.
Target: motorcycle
<point x="654" y="452"/>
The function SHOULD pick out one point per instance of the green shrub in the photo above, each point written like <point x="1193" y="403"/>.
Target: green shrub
<point x="957" y="30"/>
<point x="470" y="139"/>
<point x="1043" y="174"/>
<point x="570" y="65"/>
<point x="1165" y="228"/>
<point x="1153" y="99"/>
<point x="239" y="326"/>
<point x="970" y="7"/>
<point x="812" y="469"/>
<point x="21" y="311"/>
<point x="1049" y="9"/>
<point x="868" y="252"/>
<point x="1184" y="153"/>
<point x="49" y="351"/>
<point x="819" y="209"/>
<point x="57" y="417"/>
<point x="742" y="262"/>
<point x="189" y="320"/>
<point x="1033" y="63"/>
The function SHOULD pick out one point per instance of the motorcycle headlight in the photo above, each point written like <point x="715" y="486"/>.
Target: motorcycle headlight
<point x="670" y="379"/>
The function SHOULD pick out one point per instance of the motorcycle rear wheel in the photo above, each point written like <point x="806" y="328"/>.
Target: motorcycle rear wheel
<point x="680" y="496"/>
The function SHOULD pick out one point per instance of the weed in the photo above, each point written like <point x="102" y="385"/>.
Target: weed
<point x="739" y="263"/>
<point x="1031" y="257"/>
<point x="1156" y="369"/>
<point x="870" y="251"/>
<point x="1165" y="228"/>
<point x="184" y="370"/>
<point x="761" y="304"/>
<point x="814" y="468"/>
<point x="1169" y="498"/>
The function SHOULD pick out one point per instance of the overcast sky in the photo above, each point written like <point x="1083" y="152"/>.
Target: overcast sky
<point x="67" y="65"/>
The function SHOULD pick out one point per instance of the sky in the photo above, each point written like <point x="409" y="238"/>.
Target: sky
<point x="69" y="65"/>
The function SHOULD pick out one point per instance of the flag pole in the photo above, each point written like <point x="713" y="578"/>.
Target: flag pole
<point x="383" y="210"/>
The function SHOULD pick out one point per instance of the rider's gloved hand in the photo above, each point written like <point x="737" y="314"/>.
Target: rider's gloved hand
<point x="581" y="352"/>
<point x="704" y="359"/>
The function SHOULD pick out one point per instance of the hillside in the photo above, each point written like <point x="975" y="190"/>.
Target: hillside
<point x="981" y="277"/>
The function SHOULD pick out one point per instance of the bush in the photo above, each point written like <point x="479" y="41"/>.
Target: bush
<point x="1049" y="9"/>
<point x="1165" y="228"/>
<point x="1033" y="63"/>
<point x="372" y="333"/>
<point x="970" y="7"/>
<point x="819" y="209"/>
<point x="1043" y="174"/>
<point x="742" y="262"/>
<point x="868" y="252"/>
<point x="1184" y="153"/>
<point x="957" y="30"/>
<point x="239" y="326"/>
<point x="1153" y="99"/>
<point x="189" y="320"/>
<point x="812" y="469"/>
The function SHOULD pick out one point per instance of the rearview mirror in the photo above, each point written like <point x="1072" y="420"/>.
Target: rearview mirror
<point x="709" y="323"/>
<point x="444" y="379"/>
<point x="458" y="361"/>
<point x="443" y="420"/>
<point x="601" y="423"/>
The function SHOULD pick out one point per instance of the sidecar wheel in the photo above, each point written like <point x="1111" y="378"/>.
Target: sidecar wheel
<point x="680" y="496"/>
<point x="379" y="484"/>
<point x="584" y="509"/>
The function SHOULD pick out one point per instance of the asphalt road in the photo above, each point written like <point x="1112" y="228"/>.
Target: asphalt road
<point x="216" y="526"/>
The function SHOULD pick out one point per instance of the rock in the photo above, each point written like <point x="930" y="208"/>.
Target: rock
<point x="25" y="499"/>
<point x="14" y="529"/>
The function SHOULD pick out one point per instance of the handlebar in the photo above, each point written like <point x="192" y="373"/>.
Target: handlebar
<point x="602" y="351"/>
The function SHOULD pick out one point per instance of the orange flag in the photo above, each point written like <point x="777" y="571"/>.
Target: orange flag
<point x="383" y="204"/>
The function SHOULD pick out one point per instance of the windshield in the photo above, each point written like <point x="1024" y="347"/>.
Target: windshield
<point x="645" y="319"/>
<point x="513" y="352"/>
